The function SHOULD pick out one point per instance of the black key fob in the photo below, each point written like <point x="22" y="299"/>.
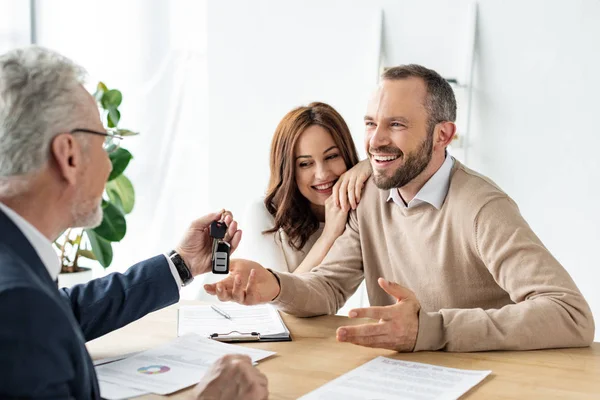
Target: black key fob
<point x="217" y="229"/>
<point x="220" y="260"/>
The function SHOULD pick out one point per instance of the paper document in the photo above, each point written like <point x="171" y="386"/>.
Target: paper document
<point x="262" y="319"/>
<point x="113" y="359"/>
<point x="174" y="366"/>
<point x="111" y="391"/>
<point x="386" y="378"/>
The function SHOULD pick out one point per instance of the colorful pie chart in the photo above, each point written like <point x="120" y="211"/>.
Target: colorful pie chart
<point x="153" y="369"/>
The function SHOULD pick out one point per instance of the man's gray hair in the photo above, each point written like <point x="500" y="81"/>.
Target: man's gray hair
<point x="440" y="102"/>
<point x="37" y="100"/>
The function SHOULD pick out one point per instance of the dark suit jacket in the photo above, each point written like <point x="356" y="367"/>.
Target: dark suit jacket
<point x="43" y="330"/>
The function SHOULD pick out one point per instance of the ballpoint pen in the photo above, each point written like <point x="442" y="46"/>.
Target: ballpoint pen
<point x="219" y="311"/>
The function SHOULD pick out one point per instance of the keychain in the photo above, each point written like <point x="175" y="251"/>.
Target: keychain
<point x="220" y="250"/>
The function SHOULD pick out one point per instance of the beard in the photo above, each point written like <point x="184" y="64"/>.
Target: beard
<point x="414" y="163"/>
<point x="86" y="213"/>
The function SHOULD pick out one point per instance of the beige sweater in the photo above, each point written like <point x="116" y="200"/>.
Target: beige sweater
<point x="483" y="278"/>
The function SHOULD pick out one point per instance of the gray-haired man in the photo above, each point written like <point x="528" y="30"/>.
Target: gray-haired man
<point x="53" y="167"/>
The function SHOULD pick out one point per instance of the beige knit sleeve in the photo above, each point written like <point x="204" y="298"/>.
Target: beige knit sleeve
<point x="548" y="310"/>
<point x="326" y="288"/>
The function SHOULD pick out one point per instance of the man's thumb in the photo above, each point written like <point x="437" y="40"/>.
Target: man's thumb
<point x="395" y="290"/>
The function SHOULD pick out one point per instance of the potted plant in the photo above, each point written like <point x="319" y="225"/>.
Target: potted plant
<point x="118" y="200"/>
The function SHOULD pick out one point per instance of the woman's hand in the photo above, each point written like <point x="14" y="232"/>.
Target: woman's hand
<point x="348" y="188"/>
<point x="335" y="219"/>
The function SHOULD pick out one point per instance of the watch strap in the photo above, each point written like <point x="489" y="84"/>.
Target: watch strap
<point x="182" y="269"/>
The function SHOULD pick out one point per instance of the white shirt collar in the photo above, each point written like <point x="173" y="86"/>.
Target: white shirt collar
<point x="39" y="242"/>
<point x="434" y="191"/>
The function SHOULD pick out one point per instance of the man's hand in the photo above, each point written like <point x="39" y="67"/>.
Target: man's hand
<point x="232" y="377"/>
<point x="196" y="246"/>
<point x="248" y="283"/>
<point x="348" y="189"/>
<point x="397" y="327"/>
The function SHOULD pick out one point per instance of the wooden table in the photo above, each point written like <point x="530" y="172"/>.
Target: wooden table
<point x="314" y="357"/>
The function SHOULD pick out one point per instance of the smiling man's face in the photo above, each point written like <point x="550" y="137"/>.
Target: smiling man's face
<point x="398" y="140"/>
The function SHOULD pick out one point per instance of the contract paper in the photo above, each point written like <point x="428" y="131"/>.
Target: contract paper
<point x="172" y="367"/>
<point x="384" y="378"/>
<point x="110" y="391"/>
<point x="205" y="321"/>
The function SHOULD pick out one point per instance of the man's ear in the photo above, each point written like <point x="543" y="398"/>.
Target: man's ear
<point x="66" y="152"/>
<point x="445" y="132"/>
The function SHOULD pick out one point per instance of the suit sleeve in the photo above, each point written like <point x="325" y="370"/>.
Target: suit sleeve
<point x="116" y="300"/>
<point x="36" y="361"/>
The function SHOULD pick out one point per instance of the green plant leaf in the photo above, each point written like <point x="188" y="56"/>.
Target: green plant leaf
<point x="126" y="132"/>
<point x="121" y="193"/>
<point x="101" y="248"/>
<point x="113" y="117"/>
<point x="87" y="254"/>
<point x="120" y="160"/>
<point x="100" y="90"/>
<point x="113" y="226"/>
<point x="111" y="99"/>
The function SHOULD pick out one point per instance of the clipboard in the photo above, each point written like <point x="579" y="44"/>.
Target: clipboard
<point x="260" y="323"/>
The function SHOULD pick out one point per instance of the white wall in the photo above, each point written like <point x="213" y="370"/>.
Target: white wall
<point x="535" y="99"/>
<point x="535" y="123"/>
<point x="14" y="24"/>
<point x="154" y="52"/>
<point x="270" y="56"/>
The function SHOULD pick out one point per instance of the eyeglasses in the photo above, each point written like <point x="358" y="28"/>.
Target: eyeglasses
<point x="111" y="142"/>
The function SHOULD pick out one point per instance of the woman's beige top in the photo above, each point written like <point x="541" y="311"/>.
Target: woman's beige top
<point x="270" y="250"/>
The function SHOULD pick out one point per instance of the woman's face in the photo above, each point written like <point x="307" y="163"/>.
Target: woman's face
<point x="318" y="163"/>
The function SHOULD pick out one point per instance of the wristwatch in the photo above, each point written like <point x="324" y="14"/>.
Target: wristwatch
<point x="184" y="272"/>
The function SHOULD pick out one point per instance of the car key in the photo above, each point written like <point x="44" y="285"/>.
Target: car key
<point x="220" y="264"/>
<point x="221" y="249"/>
<point x="217" y="229"/>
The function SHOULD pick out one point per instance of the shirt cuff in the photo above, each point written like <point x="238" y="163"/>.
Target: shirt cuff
<point x="174" y="272"/>
<point x="431" y="332"/>
<point x="287" y="289"/>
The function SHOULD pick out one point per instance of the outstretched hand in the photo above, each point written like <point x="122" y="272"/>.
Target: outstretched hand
<point x="248" y="283"/>
<point x="398" y="324"/>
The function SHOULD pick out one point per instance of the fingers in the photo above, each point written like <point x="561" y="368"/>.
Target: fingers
<point x="235" y="240"/>
<point x="393" y="289"/>
<point x="336" y="192"/>
<point x="204" y="221"/>
<point x="375" y="329"/>
<point x="231" y="230"/>
<point x="343" y="195"/>
<point x="351" y="194"/>
<point x="252" y="295"/>
<point x="377" y="341"/>
<point x="375" y="312"/>
<point x="224" y="289"/>
<point x="358" y="187"/>
<point x="226" y="216"/>
<point x="241" y="358"/>
<point x="238" y="293"/>
<point x="211" y="288"/>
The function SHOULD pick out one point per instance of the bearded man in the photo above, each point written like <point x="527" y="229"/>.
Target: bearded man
<point x="448" y="260"/>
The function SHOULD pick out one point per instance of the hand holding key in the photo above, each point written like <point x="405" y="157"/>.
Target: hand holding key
<point x="220" y="249"/>
<point x="196" y="248"/>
